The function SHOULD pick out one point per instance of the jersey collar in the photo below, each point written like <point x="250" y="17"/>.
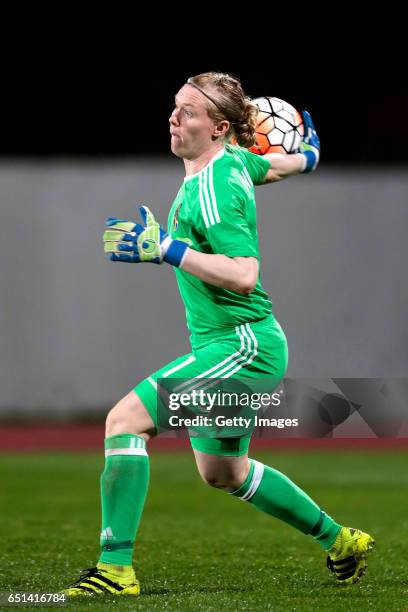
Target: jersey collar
<point x="218" y="155"/>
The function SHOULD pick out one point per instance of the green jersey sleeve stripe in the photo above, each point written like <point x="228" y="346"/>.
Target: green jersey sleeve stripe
<point x="245" y="183"/>
<point x="207" y="198"/>
<point x="250" y="181"/>
<point x="211" y="205"/>
<point x="214" y="199"/>
<point x="202" y="203"/>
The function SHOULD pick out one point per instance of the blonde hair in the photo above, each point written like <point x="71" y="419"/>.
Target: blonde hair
<point x="227" y="100"/>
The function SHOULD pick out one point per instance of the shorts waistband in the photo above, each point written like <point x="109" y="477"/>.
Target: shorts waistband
<point x="199" y="340"/>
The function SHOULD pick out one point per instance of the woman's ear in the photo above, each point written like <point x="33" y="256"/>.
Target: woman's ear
<point x="221" y="128"/>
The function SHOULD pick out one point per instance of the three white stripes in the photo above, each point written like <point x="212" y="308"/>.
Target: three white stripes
<point x="208" y="201"/>
<point x="231" y="364"/>
<point x="246" y="180"/>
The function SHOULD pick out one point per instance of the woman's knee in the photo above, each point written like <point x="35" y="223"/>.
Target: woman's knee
<point x="129" y="415"/>
<point x="228" y="477"/>
<point x="226" y="481"/>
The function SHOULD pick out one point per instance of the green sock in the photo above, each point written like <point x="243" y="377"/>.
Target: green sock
<point x="124" y="483"/>
<point x="273" y="493"/>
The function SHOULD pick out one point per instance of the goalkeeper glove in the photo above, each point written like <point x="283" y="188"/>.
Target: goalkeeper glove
<point x="135" y="243"/>
<point x="310" y="145"/>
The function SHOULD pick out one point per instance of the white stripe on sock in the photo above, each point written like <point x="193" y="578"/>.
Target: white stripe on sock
<point x="125" y="451"/>
<point x="255" y="482"/>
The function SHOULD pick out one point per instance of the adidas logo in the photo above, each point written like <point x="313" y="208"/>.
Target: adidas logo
<point x="107" y="534"/>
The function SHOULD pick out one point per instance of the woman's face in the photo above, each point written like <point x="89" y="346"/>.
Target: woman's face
<point x="191" y="128"/>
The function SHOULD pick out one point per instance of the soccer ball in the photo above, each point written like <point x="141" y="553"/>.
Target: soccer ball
<point x="279" y="127"/>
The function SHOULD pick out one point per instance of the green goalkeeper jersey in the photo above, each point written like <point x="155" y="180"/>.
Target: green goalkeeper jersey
<point x="215" y="212"/>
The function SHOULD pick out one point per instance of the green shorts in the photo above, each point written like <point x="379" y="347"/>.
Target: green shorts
<point x="251" y="351"/>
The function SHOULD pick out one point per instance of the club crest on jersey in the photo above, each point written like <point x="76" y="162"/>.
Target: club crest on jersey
<point x="176" y="217"/>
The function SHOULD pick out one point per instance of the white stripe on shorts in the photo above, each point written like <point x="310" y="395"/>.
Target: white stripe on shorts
<point x="245" y="333"/>
<point x="153" y="383"/>
<point x="178" y="367"/>
<point x="245" y="330"/>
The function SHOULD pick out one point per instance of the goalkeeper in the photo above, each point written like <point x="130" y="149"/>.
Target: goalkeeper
<point x="212" y="244"/>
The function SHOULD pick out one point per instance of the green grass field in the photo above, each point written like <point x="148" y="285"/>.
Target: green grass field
<point x="200" y="549"/>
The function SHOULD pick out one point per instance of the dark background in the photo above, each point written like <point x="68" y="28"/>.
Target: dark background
<point x="104" y="102"/>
